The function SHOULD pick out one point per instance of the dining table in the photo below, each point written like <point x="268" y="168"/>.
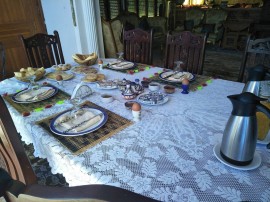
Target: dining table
<point x="168" y="155"/>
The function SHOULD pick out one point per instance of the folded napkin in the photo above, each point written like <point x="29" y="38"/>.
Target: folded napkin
<point x="263" y="123"/>
<point x="87" y="116"/>
<point x="123" y="65"/>
<point x="35" y="94"/>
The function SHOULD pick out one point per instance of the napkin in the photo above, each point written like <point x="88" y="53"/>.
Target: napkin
<point x="263" y="123"/>
<point x="123" y="65"/>
<point x="87" y="115"/>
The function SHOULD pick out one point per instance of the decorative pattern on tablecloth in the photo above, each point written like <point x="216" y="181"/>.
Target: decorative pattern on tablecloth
<point x="79" y="144"/>
<point x="197" y="84"/>
<point x="138" y="68"/>
<point x="37" y="106"/>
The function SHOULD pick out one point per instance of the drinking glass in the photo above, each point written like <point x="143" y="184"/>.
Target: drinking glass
<point x="33" y="85"/>
<point x="178" y="66"/>
<point x="76" y="109"/>
<point x="120" y="55"/>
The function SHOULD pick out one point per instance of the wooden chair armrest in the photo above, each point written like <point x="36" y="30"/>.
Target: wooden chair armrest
<point x="100" y="192"/>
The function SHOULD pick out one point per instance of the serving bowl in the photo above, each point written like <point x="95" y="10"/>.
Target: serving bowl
<point x="88" y="59"/>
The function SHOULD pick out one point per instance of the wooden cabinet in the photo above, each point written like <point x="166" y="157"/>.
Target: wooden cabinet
<point x="18" y="17"/>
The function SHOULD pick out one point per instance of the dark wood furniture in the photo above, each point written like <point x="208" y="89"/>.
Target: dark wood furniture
<point x="234" y="34"/>
<point x="257" y="52"/>
<point x="2" y="62"/>
<point x="17" y="177"/>
<point x="138" y="45"/>
<point x="43" y="50"/>
<point x="188" y="48"/>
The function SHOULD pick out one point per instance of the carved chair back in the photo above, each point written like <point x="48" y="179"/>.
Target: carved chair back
<point x="2" y="62"/>
<point x="43" y="50"/>
<point x="138" y="45"/>
<point x="12" y="156"/>
<point x="257" y="52"/>
<point x="188" y="48"/>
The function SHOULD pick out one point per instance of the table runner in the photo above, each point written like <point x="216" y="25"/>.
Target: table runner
<point x="29" y="107"/>
<point x="199" y="81"/>
<point x="138" y="68"/>
<point x="79" y="144"/>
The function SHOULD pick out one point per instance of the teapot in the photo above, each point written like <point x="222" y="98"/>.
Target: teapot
<point x="240" y="134"/>
<point x="255" y="76"/>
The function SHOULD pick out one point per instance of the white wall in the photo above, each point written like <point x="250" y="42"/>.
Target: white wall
<point x="86" y="36"/>
<point x="58" y="16"/>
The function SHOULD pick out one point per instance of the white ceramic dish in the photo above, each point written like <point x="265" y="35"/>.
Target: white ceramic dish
<point x="256" y="162"/>
<point x="165" y="99"/>
<point x="34" y="95"/>
<point x="106" y="98"/>
<point x="60" y="130"/>
<point x="123" y="65"/>
<point x="109" y="87"/>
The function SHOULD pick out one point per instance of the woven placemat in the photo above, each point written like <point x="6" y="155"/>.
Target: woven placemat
<point x="138" y="68"/>
<point x="29" y="107"/>
<point x="193" y="85"/>
<point x="79" y="144"/>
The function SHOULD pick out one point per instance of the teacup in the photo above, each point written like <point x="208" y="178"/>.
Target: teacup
<point x="153" y="86"/>
<point x="106" y="98"/>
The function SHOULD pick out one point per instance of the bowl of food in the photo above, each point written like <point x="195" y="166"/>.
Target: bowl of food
<point x="88" y="59"/>
<point x="169" y="89"/>
<point x="25" y="73"/>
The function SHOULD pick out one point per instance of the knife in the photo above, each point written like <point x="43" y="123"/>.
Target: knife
<point x="174" y="73"/>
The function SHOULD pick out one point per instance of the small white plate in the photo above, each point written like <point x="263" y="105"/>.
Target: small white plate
<point x="266" y="139"/>
<point x="256" y="162"/>
<point x="106" y="87"/>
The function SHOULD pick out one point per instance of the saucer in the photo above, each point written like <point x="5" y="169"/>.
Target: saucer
<point x="256" y="162"/>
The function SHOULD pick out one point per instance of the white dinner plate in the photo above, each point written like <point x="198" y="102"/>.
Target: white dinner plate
<point x="59" y="130"/>
<point x="166" y="75"/>
<point x="34" y="95"/>
<point x="161" y="102"/>
<point x="256" y="162"/>
<point x="121" y="65"/>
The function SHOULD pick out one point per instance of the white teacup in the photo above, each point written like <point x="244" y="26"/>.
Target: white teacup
<point x="154" y="86"/>
<point x="106" y="98"/>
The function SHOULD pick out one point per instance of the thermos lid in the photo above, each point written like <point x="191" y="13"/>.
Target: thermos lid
<point x="245" y="104"/>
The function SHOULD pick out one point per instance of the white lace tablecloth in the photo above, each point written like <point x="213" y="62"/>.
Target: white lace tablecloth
<point x="167" y="156"/>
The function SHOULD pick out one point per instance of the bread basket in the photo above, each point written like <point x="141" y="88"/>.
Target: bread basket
<point x="89" y="59"/>
<point x="24" y="74"/>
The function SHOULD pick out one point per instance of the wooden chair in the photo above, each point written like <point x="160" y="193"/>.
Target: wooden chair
<point x="2" y="62"/>
<point x="257" y="52"/>
<point x="18" y="181"/>
<point x="138" y="45"/>
<point x="188" y="48"/>
<point x="43" y="50"/>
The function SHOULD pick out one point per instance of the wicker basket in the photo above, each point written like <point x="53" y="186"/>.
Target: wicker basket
<point x="89" y="59"/>
<point x="39" y="75"/>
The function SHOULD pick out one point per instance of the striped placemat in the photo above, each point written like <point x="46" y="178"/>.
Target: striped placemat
<point x="197" y="84"/>
<point x="79" y="144"/>
<point x="29" y="107"/>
